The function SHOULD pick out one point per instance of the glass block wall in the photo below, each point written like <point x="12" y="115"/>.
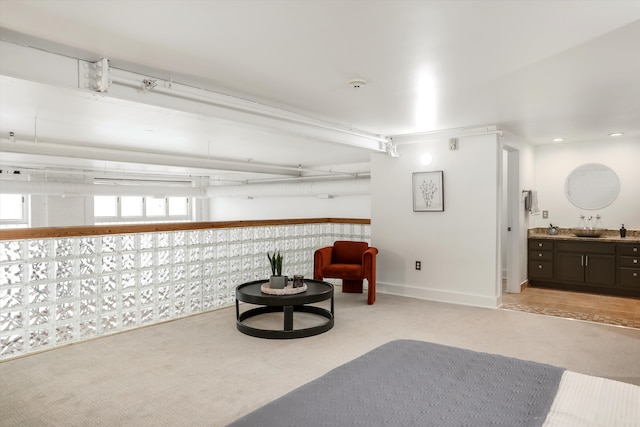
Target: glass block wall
<point x="56" y="291"/>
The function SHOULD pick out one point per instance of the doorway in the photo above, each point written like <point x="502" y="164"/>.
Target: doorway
<point x="511" y="223"/>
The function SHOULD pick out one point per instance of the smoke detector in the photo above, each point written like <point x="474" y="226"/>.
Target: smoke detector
<point x="357" y="83"/>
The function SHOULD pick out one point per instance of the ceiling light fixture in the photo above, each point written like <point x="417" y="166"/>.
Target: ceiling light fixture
<point x="616" y="134"/>
<point x="426" y="159"/>
<point x="391" y="148"/>
<point x="558" y="139"/>
<point x="357" y="83"/>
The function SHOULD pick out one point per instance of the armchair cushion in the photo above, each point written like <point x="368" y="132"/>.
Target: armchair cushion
<point x="343" y="271"/>
<point x="348" y="252"/>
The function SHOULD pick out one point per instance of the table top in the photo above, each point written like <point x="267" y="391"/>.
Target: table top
<point x="317" y="290"/>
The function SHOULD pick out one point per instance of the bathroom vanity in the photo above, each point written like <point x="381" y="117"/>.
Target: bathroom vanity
<point x="587" y="258"/>
<point x="608" y="264"/>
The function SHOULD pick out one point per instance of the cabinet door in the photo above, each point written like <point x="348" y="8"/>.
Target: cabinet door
<point x="600" y="270"/>
<point x="540" y="269"/>
<point x="570" y="267"/>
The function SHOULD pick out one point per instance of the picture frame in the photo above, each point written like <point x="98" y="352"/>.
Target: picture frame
<point x="428" y="191"/>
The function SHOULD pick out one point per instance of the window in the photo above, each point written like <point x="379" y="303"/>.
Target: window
<point x="131" y="206"/>
<point x="156" y="206"/>
<point x="106" y="206"/>
<point x="178" y="206"/>
<point x="141" y="209"/>
<point x="14" y="210"/>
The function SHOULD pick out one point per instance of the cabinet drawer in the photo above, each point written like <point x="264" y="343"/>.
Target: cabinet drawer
<point x="540" y="269"/>
<point x="630" y="278"/>
<point x="630" y="261"/>
<point x="541" y="245"/>
<point x="629" y="249"/>
<point x="587" y="247"/>
<point x="540" y="256"/>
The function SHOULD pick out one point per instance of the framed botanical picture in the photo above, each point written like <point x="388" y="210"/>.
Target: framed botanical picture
<point x="428" y="192"/>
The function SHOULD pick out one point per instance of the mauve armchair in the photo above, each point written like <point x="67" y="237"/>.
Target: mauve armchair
<point x="350" y="261"/>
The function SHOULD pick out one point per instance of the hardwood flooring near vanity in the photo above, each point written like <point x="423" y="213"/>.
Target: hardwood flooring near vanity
<point x="612" y="310"/>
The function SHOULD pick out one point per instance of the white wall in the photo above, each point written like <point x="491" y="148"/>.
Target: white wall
<point x="553" y="163"/>
<point x="39" y="207"/>
<point x="458" y="248"/>
<point x="61" y="211"/>
<point x="236" y="209"/>
<point x="58" y="211"/>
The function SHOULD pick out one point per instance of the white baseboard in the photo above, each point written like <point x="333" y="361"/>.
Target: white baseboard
<point x="439" y="295"/>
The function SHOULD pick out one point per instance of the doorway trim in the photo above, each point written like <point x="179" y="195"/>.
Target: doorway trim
<point x="513" y="220"/>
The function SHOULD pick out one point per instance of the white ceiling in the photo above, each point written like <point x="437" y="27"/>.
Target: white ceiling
<point x="538" y="69"/>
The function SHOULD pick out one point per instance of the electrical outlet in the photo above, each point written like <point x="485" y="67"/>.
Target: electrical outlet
<point x="418" y="265"/>
<point x="545" y="214"/>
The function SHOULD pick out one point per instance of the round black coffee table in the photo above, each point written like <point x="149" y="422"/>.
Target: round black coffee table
<point x="316" y="291"/>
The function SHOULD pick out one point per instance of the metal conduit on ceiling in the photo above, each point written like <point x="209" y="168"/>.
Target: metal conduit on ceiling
<point x="359" y="186"/>
<point x="326" y="188"/>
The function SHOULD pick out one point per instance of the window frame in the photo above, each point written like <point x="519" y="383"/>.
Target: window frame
<point x="25" y="221"/>
<point x="145" y="218"/>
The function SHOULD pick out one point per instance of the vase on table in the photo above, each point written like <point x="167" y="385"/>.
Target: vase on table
<point x="278" y="282"/>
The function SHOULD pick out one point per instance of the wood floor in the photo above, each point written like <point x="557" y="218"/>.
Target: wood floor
<point x="611" y="310"/>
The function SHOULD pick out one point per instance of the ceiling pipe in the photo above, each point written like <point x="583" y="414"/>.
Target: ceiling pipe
<point x="438" y="135"/>
<point x="238" y="107"/>
<point x="203" y="166"/>
<point x="32" y="171"/>
<point x="350" y="187"/>
<point x="82" y="189"/>
<point x="43" y="148"/>
<point x="336" y="176"/>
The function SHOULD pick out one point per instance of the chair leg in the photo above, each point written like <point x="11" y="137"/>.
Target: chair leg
<point x="352" y="286"/>
<point x="371" y="295"/>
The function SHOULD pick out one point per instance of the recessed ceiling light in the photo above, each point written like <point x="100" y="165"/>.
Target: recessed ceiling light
<point x="558" y="139"/>
<point x="616" y="134"/>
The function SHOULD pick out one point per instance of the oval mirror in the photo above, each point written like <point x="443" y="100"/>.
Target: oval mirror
<point x="592" y="186"/>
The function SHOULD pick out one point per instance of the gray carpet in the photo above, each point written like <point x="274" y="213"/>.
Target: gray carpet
<point x="200" y="371"/>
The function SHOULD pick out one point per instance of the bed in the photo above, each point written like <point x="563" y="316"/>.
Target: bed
<point x="415" y="383"/>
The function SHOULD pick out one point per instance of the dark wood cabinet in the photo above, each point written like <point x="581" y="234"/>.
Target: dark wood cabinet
<point x="600" y="270"/>
<point x="585" y="265"/>
<point x="588" y="263"/>
<point x="540" y="259"/>
<point x="570" y="267"/>
<point x="629" y="266"/>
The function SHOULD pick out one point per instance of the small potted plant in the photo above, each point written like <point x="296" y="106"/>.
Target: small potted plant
<point x="277" y="280"/>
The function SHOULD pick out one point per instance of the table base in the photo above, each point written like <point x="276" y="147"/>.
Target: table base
<point x="288" y="331"/>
